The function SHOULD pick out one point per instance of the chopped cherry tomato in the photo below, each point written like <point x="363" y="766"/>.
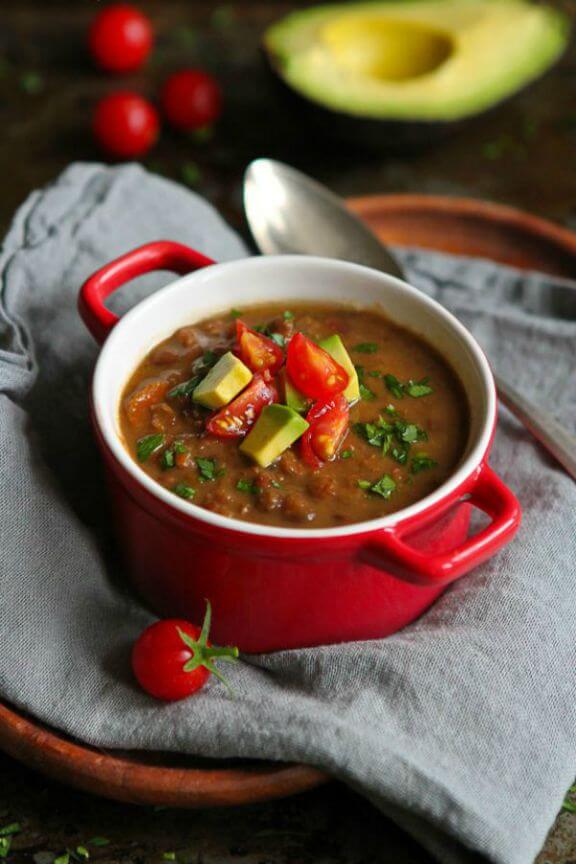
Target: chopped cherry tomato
<point x="191" y="99"/>
<point x="172" y="659"/>
<point x="125" y="124"/>
<point x="258" y="352"/>
<point x="313" y="371"/>
<point x="328" y="427"/>
<point x="236" y="418"/>
<point x="120" y="38"/>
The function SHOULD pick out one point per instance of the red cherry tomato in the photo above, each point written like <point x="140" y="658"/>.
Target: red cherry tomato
<point x="236" y="418"/>
<point x="120" y="38"/>
<point x="172" y="659"/>
<point x="191" y="99"/>
<point x="258" y="352"/>
<point x="313" y="371"/>
<point x="328" y="427"/>
<point x="125" y="125"/>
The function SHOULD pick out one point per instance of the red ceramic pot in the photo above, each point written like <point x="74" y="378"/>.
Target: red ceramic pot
<point x="274" y="588"/>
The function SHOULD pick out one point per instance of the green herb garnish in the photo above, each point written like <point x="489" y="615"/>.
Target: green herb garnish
<point x="366" y="393"/>
<point x="287" y="315"/>
<point x="383" y="487"/>
<point x="207" y="468"/>
<point x="148" y="445"/>
<point x="416" y="389"/>
<point x="400" y="454"/>
<point x="82" y="852"/>
<point x="167" y="460"/>
<point x="185" y="389"/>
<point x="169" y="856"/>
<point x="421" y="462"/>
<point x="62" y="859"/>
<point x="235" y="313"/>
<point x="12" y="828"/>
<point x="247" y="486"/>
<point x="394" y="386"/>
<point x="184" y="491"/>
<point x="366" y="348"/>
<point x="346" y="454"/>
<point x="202" y="364"/>
<point x="98" y="841"/>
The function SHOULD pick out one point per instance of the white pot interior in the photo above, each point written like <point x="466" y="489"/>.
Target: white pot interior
<point x="222" y="287"/>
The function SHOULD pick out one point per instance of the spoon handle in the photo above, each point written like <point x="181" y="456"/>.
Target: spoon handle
<point x="543" y="426"/>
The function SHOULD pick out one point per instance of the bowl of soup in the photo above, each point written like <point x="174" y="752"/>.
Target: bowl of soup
<point x="299" y="440"/>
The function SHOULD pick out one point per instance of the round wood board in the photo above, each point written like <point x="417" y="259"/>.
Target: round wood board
<point x="457" y="225"/>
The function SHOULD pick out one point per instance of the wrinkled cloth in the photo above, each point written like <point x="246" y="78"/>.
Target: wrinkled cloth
<point x="462" y="727"/>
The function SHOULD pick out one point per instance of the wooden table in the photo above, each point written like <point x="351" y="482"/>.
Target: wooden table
<point x="522" y="155"/>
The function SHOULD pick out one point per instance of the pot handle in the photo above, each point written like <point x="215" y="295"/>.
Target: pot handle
<point x="161" y="255"/>
<point x="390" y="552"/>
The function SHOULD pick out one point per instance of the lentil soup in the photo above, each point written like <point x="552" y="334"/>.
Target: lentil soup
<point x="296" y="416"/>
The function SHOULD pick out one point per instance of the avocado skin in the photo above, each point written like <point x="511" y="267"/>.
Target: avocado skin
<point x="394" y="137"/>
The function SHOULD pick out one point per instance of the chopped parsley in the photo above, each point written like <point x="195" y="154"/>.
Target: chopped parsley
<point x="207" y="468"/>
<point x="393" y="435"/>
<point x="346" y="454"/>
<point x="235" y="313"/>
<point x="246" y="486"/>
<point x="184" y="491"/>
<point x="185" y="389"/>
<point x="415" y="389"/>
<point x="168" y="459"/>
<point x="421" y="462"/>
<point x="148" y="445"/>
<point x="366" y="348"/>
<point x="287" y="315"/>
<point x="384" y="487"/>
<point x="365" y="393"/>
<point x="394" y="386"/>
<point x="204" y="363"/>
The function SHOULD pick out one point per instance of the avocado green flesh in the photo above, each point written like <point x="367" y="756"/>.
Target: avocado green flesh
<point x="223" y="382"/>
<point x="335" y="347"/>
<point x="416" y="59"/>
<point x="293" y="397"/>
<point x="277" y="428"/>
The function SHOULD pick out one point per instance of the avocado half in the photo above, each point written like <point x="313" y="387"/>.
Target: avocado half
<point x="424" y="62"/>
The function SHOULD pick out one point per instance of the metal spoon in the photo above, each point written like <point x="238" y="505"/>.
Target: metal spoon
<point x="290" y="213"/>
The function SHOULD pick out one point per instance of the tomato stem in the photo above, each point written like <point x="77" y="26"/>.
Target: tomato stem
<point x="204" y="654"/>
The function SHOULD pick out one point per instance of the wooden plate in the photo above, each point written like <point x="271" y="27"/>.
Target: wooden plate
<point x="456" y="225"/>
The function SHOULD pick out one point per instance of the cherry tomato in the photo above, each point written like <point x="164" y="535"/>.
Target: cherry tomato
<point x="125" y="125"/>
<point x="191" y="99"/>
<point x="120" y="38"/>
<point x="313" y="371"/>
<point x="258" y="352"/>
<point x="172" y="659"/>
<point x="328" y="427"/>
<point x="236" y="418"/>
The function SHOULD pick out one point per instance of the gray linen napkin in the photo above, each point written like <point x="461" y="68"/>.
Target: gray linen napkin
<point x="462" y="727"/>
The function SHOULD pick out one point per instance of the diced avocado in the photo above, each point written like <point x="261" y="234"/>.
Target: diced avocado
<point x="275" y="430"/>
<point x="335" y="347"/>
<point x="293" y="397"/>
<point x="410" y="60"/>
<point x="223" y="382"/>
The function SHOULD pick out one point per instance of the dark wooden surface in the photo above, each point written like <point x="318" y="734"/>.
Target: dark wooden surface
<point x="522" y="154"/>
